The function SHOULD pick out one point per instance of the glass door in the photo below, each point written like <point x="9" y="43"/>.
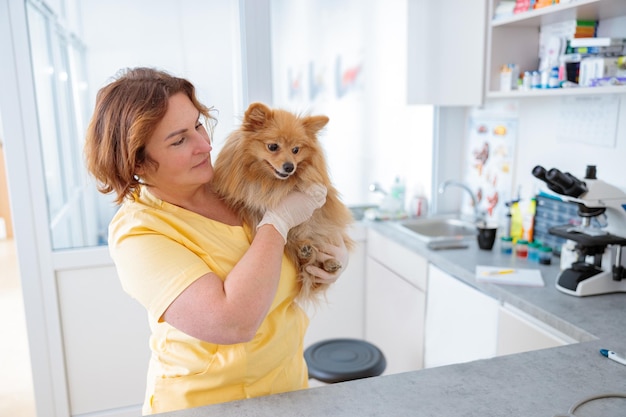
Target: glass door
<point x="60" y="85"/>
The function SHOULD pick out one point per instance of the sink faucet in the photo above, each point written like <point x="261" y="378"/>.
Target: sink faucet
<point x="478" y="214"/>
<point x="376" y="188"/>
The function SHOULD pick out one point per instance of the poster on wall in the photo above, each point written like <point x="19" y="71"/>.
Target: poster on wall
<point x="489" y="162"/>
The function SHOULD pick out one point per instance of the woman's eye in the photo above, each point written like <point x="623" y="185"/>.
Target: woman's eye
<point x="272" y="147"/>
<point x="201" y="122"/>
<point x="178" y="142"/>
<point x="295" y="150"/>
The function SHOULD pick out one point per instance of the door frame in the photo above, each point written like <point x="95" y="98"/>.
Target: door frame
<point x="25" y="176"/>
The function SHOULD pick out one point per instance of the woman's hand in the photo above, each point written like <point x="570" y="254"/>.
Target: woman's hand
<point x="328" y="251"/>
<point x="295" y="209"/>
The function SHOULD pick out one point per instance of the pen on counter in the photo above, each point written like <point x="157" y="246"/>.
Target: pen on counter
<point x="501" y="272"/>
<point x="612" y="355"/>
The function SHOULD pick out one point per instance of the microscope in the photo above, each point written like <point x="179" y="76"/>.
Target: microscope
<point x="600" y="267"/>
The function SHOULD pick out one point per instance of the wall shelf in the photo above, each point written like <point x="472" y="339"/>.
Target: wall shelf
<point x="576" y="9"/>
<point x="515" y="39"/>
<point x="558" y="92"/>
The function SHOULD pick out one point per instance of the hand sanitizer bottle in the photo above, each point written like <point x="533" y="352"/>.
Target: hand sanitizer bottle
<point x="398" y="192"/>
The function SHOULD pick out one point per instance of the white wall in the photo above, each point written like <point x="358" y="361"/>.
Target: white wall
<point x="372" y="135"/>
<point x="539" y="144"/>
<point x="198" y="40"/>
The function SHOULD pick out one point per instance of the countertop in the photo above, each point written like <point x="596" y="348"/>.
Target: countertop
<point x="540" y="383"/>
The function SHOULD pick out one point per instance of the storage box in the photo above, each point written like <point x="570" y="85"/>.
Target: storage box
<point x="592" y="68"/>
<point x="552" y="212"/>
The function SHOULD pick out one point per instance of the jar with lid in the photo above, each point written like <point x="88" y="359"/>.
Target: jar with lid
<point x="506" y="245"/>
<point x="533" y="251"/>
<point x="521" y="248"/>
<point x="545" y="255"/>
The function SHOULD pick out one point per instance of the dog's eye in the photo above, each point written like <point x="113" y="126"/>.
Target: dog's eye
<point x="295" y="150"/>
<point x="272" y="147"/>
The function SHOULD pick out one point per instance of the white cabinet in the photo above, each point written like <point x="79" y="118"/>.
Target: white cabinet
<point x="518" y="332"/>
<point x="394" y="318"/>
<point x="341" y="313"/>
<point x="515" y="39"/>
<point x="455" y="49"/>
<point x="395" y="302"/>
<point x="461" y="322"/>
<point x="105" y="343"/>
<point x="446" y="50"/>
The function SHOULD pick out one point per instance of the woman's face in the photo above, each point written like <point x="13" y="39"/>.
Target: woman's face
<point x="181" y="146"/>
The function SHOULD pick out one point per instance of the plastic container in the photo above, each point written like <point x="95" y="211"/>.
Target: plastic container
<point x="398" y="190"/>
<point x="535" y="80"/>
<point x="533" y="251"/>
<point x="545" y="255"/>
<point x="521" y="248"/>
<point x="528" y="221"/>
<point x="527" y="81"/>
<point x="553" y="80"/>
<point x="517" y="228"/>
<point x="506" y="245"/>
<point x="506" y="78"/>
<point x="418" y="204"/>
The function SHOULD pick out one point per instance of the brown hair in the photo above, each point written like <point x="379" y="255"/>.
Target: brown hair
<point x="126" y="114"/>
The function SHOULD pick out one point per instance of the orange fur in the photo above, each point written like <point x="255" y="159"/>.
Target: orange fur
<point x="252" y="174"/>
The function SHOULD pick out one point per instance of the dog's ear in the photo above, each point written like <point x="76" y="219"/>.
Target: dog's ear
<point x="314" y="124"/>
<point x="256" y="116"/>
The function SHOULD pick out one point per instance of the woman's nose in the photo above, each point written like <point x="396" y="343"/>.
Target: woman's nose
<point x="204" y="142"/>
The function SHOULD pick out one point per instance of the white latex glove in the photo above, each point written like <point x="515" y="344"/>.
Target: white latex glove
<point x="294" y="209"/>
<point x="340" y="253"/>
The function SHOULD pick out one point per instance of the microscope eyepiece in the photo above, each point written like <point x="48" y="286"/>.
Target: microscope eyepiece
<point x="559" y="182"/>
<point x="590" y="172"/>
<point x="539" y="172"/>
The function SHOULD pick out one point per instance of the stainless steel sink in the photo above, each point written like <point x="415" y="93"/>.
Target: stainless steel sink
<point x="439" y="228"/>
<point x="358" y="212"/>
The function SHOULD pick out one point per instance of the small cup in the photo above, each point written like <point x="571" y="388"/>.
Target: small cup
<point x="486" y="235"/>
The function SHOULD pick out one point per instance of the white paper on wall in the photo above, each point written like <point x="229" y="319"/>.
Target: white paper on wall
<point x="589" y="119"/>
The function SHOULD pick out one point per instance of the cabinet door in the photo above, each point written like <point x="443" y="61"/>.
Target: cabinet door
<point x="461" y="322"/>
<point x="397" y="258"/>
<point x="518" y="332"/>
<point x="105" y="341"/>
<point x="394" y="318"/>
<point x="446" y="52"/>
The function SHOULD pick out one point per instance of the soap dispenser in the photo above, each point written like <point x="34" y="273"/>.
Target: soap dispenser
<point x="398" y="191"/>
<point x="393" y="203"/>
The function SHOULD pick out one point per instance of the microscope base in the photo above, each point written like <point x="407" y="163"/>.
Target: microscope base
<point x="583" y="279"/>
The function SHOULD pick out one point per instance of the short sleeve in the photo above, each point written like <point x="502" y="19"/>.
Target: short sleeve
<point x="154" y="269"/>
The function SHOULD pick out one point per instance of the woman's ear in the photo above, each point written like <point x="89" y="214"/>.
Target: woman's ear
<point x="139" y="171"/>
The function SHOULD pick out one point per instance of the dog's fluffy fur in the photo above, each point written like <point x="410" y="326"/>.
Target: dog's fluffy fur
<point x="273" y="153"/>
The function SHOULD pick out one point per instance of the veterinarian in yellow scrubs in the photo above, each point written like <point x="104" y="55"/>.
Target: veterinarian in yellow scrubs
<point x="155" y="239"/>
<point x="220" y="302"/>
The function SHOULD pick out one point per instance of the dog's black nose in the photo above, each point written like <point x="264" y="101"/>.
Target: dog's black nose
<point x="288" y="167"/>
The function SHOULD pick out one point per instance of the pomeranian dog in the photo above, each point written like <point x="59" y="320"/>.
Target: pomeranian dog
<point x="273" y="153"/>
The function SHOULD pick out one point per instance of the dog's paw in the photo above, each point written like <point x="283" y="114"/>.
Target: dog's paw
<point x="306" y="252"/>
<point x="331" y="265"/>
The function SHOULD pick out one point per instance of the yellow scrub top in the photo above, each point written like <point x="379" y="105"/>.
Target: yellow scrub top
<point x="159" y="249"/>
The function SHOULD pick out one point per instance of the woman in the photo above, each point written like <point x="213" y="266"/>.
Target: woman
<point x="220" y="304"/>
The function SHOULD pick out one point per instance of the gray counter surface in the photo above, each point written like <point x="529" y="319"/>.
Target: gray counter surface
<point x="539" y="383"/>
